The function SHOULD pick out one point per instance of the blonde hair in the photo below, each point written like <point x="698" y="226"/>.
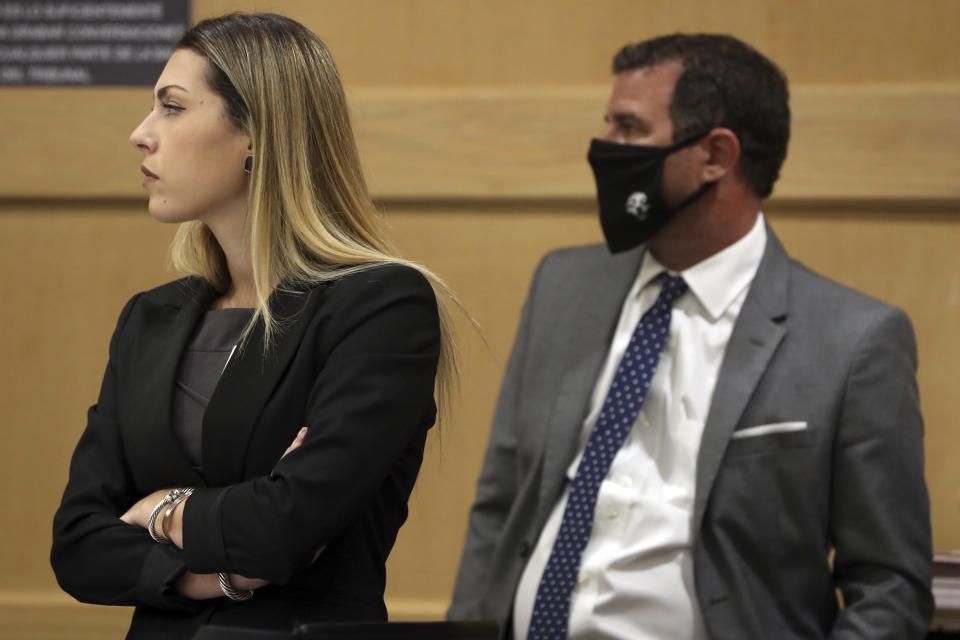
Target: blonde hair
<point x="310" y="216"/>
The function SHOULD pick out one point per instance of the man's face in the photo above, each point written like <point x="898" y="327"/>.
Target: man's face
<point x="639" y="113"/>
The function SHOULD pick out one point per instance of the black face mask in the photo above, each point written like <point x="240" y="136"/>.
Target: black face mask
<point x="630" y="190"/>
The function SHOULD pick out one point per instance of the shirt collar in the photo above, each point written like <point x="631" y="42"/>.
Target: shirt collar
<point x="720" y="279"/>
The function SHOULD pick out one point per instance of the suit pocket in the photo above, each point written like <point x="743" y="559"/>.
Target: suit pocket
<point x="781" y="436"/>
<point x="768" y="429"/>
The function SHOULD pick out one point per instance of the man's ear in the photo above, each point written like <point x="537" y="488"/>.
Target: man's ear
<point x="722" y="150"/>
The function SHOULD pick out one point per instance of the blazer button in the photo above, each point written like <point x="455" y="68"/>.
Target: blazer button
<point x="525" y="547"/>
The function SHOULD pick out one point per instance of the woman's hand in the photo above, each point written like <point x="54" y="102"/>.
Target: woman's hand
<point x="139" y="513"/>
<point x="297" y="441"/>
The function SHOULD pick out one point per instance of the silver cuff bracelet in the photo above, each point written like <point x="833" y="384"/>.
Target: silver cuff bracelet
<point x="173" y="497"/>
<point x="227" y="587"/>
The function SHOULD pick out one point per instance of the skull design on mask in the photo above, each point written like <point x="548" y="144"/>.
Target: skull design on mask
<point x="638" y="205"/>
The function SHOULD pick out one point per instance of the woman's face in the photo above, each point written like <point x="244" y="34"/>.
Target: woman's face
<point x="193" y="154"/>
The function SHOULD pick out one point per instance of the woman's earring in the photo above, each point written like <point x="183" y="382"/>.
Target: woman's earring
<point x="248" y="164"/>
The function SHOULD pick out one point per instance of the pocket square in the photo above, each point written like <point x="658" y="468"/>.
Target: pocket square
<point x="766" y="429"/>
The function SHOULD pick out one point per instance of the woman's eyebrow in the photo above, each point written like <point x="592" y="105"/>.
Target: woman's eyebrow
<point x="162" y="93"/>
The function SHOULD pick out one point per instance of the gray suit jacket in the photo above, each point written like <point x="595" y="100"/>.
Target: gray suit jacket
<point x="769" y="508"/>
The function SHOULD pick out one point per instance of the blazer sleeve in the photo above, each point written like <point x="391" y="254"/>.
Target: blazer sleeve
<point x="880" y="514"/>
<point x="96" y="557"/>
<point x="498" y="483"/>
<point x="379" y="344"/>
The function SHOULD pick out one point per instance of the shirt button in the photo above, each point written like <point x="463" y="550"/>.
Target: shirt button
<point x="626" y="482"/>
<point x="613" y="514"/>
<point x="646" y="421"/>
<point x="584" y="580"/>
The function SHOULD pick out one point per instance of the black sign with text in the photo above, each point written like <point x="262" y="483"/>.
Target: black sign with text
<point x="88" y="43"/>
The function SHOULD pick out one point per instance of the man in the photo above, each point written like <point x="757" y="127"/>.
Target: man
<point x="696" y="436"/>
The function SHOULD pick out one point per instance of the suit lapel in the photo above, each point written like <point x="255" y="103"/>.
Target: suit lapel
<point x="593" y="320"/>
<point x="164" y="335"/>
<point x="756" y="335"/>
<point x="246" y="385"/>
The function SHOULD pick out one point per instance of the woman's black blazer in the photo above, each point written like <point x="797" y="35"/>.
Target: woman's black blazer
<point x="355" y="362"/>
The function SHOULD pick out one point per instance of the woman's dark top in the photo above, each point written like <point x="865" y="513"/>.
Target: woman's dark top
<point x="202" y="363"/>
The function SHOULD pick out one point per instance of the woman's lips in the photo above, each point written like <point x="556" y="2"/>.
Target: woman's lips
<point x="149" y="176"/>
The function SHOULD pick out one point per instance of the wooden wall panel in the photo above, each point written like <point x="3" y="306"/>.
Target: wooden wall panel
<point x="46" y="615"/>
<point x="853" y="143"/>
<point x="569" y="42"/>
<point x="473" y="118"/>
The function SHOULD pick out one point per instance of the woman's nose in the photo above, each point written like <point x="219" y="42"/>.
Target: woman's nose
<point x="141" y="137"/>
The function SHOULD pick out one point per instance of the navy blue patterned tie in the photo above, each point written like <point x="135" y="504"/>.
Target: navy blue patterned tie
<point x="551" y="608"/>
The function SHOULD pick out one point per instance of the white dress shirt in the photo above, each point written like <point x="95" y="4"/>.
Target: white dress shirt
<point x="636" y="573"/>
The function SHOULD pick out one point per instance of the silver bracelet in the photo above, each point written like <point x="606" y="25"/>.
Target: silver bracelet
<point x="227" y="587"/>
<point x="174" y="497"/>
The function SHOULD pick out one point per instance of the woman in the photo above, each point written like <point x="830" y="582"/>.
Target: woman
<point x="262" y="421"/>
